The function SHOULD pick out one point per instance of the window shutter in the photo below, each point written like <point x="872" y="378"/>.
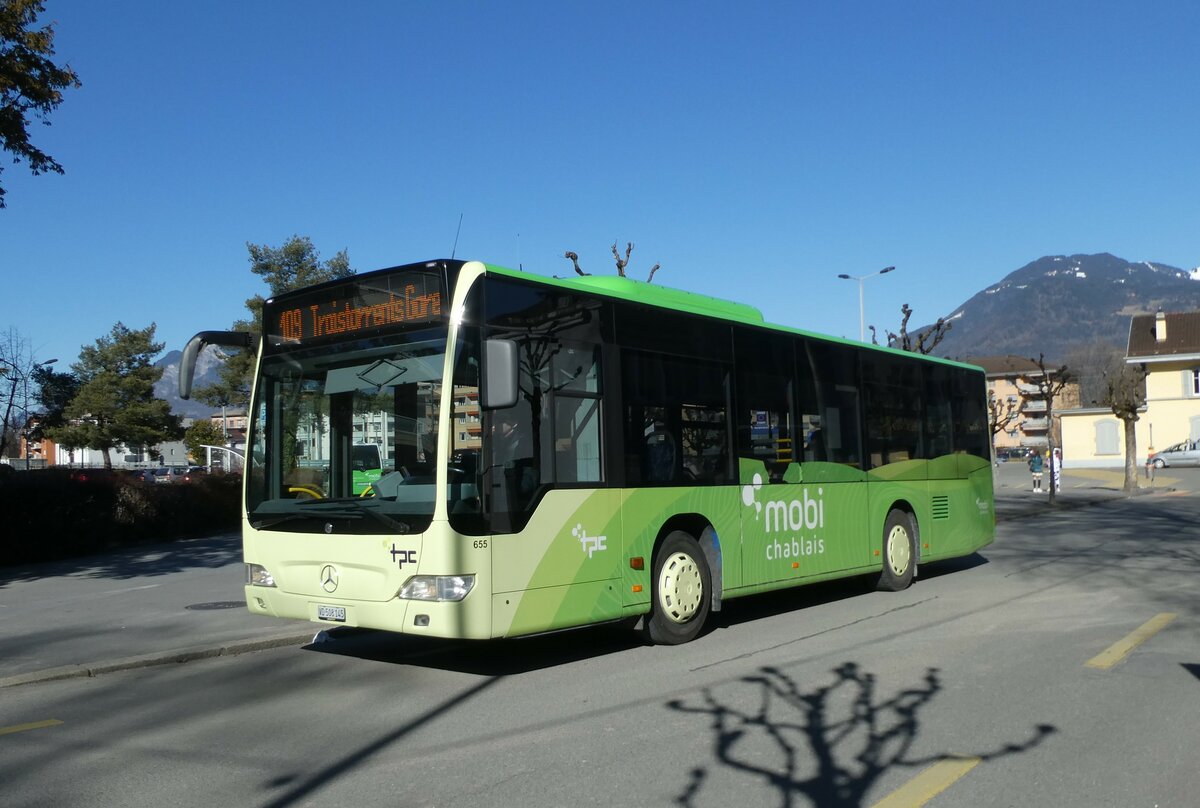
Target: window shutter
<point x="1106" y="438"/>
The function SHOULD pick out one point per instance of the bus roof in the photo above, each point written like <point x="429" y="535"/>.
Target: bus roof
<point x="650" y="294"/>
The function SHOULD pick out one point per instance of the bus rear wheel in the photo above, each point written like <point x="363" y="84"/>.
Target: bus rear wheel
<point x="680" y="591"/>
<point x="899" y="551"/>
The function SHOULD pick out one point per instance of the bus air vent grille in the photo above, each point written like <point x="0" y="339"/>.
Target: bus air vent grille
<point x="940" y="507"/>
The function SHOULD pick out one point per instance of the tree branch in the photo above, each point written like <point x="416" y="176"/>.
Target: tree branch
<point x="575" y="260"/>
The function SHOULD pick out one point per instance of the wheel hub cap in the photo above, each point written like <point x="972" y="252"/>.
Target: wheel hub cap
<point x="899" y="550"/>
<point x="680" y="588"/>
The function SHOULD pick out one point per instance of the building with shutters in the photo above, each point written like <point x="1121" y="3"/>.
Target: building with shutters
<point x="1167" y="346"/>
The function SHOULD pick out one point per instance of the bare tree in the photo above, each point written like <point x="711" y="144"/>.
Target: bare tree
<point x="1051" y="384"/>
<point x="1105" y="379"/>
<point x="1092" y="364"/>
<point x="621" y="262"/>
<point x="1001" y="414"/>
<point x="923" y="342"/>
<point x="16" y="363"/>
<point x="575" y="260"/>
<point x="1126" y="393"/>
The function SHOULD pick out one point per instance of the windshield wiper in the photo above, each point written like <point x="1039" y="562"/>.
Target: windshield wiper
<point x="288" y="517"/>
<point x="361" y="508"/>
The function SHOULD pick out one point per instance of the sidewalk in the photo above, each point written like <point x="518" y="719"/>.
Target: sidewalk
<point x="131" y="608"/>
<point x="1016" y="499"/>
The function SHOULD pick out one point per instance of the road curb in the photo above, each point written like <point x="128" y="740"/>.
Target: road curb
<point x="158" y="658"/>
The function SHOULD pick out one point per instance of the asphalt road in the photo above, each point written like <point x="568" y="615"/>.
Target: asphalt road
<point x="972" y="688"/>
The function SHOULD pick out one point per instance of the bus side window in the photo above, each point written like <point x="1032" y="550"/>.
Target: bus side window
<point x="828" y="402"/>
<point x="658" y="458"/>
<point x="766" y="427"/>
<point x="675" y="421"/>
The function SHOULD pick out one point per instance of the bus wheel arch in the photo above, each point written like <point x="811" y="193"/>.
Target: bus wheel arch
<point x="681" y="587"/>
<point x="901" y="544"/>
<point x="701" y="529"/>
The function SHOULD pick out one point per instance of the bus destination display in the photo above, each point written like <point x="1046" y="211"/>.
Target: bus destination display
<point x="358" y="308"/>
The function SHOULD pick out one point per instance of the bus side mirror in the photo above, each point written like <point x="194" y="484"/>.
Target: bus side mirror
<point x="187" y="365"/>
<point x="500" y="374"/>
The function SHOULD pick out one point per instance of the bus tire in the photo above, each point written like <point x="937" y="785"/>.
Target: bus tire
<point x="899" y="551"/>
<point x="680" y="591"/>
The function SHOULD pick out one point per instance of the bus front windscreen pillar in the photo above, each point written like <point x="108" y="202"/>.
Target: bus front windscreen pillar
<point x="406" y="447"/>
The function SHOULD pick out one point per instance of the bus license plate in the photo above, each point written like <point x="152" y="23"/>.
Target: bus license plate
<point x="335" y="613"/>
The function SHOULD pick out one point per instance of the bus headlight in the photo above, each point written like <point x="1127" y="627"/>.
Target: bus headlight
<point x="258" y="575"/>
<point x="437" y="587"/>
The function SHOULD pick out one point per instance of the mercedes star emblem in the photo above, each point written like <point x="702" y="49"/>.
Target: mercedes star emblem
<point x="329" y="578"/>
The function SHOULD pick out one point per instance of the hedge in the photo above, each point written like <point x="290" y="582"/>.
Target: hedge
<point x="55" y="513"/>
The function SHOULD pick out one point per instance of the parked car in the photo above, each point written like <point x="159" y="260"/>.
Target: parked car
<point x="1186" y="453"/>
<point x="170" y="474"/>
<point x="194" y="473"/>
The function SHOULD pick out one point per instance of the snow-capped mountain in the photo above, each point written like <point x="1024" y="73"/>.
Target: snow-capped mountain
<point x="208" y="366"/>
<point x="1059" y="301"/>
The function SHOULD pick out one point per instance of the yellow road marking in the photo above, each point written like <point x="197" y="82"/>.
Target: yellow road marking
<point x="53" y="722"/>
<point x="1121" y="649"/>
<point x="928" y="784"/>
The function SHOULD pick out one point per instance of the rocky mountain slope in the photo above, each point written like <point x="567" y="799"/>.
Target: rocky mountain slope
<point x="1057" y="302"/>
<point x="208" y="365"/>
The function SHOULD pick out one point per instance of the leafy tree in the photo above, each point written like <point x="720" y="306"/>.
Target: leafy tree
<point x="199" y="434"/>
<point x="292" y="266"/>
<point x="30" y="84"/>
<point x="115" y="405"/>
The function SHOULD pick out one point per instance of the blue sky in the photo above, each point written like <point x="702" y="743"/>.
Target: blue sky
<point x="755" y="150"/>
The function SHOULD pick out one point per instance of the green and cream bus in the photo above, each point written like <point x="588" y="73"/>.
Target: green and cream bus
<point x="563" y="452"/>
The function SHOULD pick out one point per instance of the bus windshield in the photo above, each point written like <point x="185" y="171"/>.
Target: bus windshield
<point x="348" y="436"/>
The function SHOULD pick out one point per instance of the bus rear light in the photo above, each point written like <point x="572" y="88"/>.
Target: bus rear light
<point x="258" y="575"/>
<point x="437" y="587"/>
<point x="637" y="563"/>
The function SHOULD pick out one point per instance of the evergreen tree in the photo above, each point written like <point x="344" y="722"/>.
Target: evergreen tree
<point x="200" y="434"/>
<point x="115" y="405"/>
<point x="293" y="266"/>
<point x="55" y="391"/>
<point x="29" y="82"/>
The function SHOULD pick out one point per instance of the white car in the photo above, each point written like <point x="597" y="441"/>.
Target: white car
<point x="1181" y="454"/>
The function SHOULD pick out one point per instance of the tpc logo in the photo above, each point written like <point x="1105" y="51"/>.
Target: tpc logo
<point x="590" y="544"/>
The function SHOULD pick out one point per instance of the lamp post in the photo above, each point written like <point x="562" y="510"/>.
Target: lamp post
<point x="862" y="325"/>
<point x="25" y="397"/>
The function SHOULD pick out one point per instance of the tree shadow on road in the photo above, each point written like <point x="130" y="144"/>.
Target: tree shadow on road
<point x="827" y="746"/>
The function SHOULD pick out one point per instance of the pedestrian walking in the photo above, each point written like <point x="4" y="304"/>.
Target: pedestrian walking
<point x="1036" y="464"/>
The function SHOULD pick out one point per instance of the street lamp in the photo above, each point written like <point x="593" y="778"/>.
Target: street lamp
<point x="862" y="325"/>
<point x="25" y="397"/>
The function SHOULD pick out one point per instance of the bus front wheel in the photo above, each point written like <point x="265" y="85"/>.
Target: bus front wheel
<point x="899" y="551"/>
<point x="681" y="591"/>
